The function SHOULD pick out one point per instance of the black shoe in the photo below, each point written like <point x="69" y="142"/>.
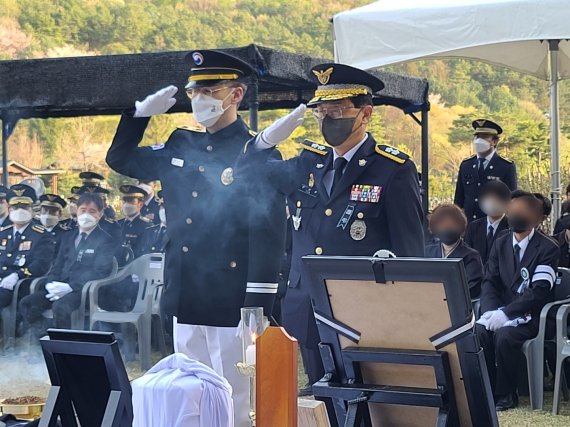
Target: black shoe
<point x="506" y="402"/>
<point x="306" y="391"/>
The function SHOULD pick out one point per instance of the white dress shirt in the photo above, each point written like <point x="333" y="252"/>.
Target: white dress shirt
<point x="495" y="224"/>
<point x="329" y="175"/>
<point x="523" y="244"/>
<point x="487" y="159"/>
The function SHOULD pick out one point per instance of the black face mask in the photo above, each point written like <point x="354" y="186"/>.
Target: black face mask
<point x="519" y="224"/>
<point x="448" y="237"/>
<point x="336" y="131"/>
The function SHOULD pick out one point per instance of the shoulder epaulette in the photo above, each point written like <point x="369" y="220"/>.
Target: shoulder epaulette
<point x="192" y="129"/>
<point x="505" y="160"/>
<point x="470" y="157"/>
<point x="39" y="228"/>
<point x="6" y="227"/>
<point x="315" y="147"/>
<point x="109" y="220"/>
<point x="252" y="133"/>
<point x="64" y="227"/>
<point x="392" y="153"/>
<point x="144" y="218"/>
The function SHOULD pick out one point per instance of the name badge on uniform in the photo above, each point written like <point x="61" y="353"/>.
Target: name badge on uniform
<point x="365" y="193"/>
<point x="89" y="251"/>
<point x="25" y="246"/>
<point x="343" y="222"/>
<point x="177" y="162"/>
<point x="22" y="261"/>
<point x="308" y="190"/>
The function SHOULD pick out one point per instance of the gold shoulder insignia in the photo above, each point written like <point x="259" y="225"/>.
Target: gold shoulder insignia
<point x="506" y="160"/>
<point x="315" y="147"/>
<point x="144" y="218"/>
<point x="392" y="153"/>
<point x="252" y="133"/>
<point x="323" y="76"/>
<point x="192" y="129"/>
<point x="6" y="227"/>
<point x="470" y="157"/>
<point x="39" y="228"/>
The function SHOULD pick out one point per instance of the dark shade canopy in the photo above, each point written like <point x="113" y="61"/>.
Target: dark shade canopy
<point x="106" y="85"/>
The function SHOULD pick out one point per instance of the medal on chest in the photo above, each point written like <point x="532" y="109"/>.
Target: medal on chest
<point x="227" y="176"/>
<point x="297" y="217"/>
<point x="358" y="230"/>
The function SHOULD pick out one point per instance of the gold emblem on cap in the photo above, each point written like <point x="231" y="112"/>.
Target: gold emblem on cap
<point x="323" y="76"/>
<point x="227" y="176"/>
<point x="19" y="192"/>
<point x="480" y="123"/>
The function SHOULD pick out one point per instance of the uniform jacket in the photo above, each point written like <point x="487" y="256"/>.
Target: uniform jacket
<point x="469" y="183"/>
<point x="471" y="261"/>
<point x="345" y="223"/>
<point x="503" y="278"/>
<point x="91" y="260"/>
<point x="564" y="260"/>
<point x="56" y="234"/>
<point x="476" y="235"/>
<point x="225" y="231"/>
<point x="30" y="255"/>
<point x="133" y="233"/>
<point x="156" y="239"/>
<point x="150" y="211"/>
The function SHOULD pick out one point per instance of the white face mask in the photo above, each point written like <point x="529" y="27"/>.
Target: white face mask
<point x="86" y="221"/>
<point x="130" y="209"/>
<point x="48" y="220"/>
<point x="207" y="110"/>
<point x="162" y="216"/>
<point x="20" y="216"/>
<point x="481" y="145"/>
<point x="492" y="207"/>
<point x="72" y="208"/>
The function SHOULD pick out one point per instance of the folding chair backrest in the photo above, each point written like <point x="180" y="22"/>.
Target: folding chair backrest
<point x="149" y="269"/>
<point x="562" y="284"/>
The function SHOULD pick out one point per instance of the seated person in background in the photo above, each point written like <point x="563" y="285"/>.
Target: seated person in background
<point x="4" y="213"/>
<point x="546" y="211"/>
<point x="26" y="250"/>
<point x="155" y="235"/>
<point x="85" y="254"/>
<point x="563" y="237"/>
<point x="133" y="225"/>
<point x="447" y="222"/>
<point x="494" y="199"/>
<point x="518" y="282"/>
<point x="51" y="207"/>
<point x="559" y="226"/>
<point x="71" y="222"/>
<point x="151" y="204"/>
<point x="107" y="223"/>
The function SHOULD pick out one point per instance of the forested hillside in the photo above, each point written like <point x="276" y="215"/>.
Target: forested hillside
<point x="460" y="90"/>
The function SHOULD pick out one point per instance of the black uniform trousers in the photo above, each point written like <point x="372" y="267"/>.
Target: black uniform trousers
<point x="5" y="298"/>
<point x="35" y="304"/>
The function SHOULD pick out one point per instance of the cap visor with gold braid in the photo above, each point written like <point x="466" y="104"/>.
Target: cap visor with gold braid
<point x="210" y="67"/>
<point x="339" y="81"/>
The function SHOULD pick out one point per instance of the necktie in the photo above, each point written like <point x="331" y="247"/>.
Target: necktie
<point x="481" y="169"/>
<point x="82" y="240"/>
<point x="338" y="167"/>
<point x="517" y="250"/>
<point x="490" y="235"/>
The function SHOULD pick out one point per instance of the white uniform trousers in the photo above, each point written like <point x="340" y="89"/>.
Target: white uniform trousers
<point x="220" y="349"/>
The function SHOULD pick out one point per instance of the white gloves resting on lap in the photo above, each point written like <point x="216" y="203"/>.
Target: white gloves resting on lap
<point x="56" y="290"/>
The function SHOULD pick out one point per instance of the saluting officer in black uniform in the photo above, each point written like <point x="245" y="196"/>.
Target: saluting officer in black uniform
<point x="352" y="199"/>
<point x="156" y="238"/>
<point x="226" y="235"/>
<point x="133" y="225"/>
<point x="26" y="250"/>
<point x="51" y="206"/>
<point x="482" y="167"/>
<point x="4" y="212"/>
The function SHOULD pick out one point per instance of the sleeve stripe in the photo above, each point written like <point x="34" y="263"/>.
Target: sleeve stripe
<point x="261" y="291"/>
<point x="262" y="285"/>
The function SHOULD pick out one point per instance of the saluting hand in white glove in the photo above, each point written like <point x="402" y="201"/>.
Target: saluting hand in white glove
<point x="281" y="129"/>
<point x="157" y="103"/>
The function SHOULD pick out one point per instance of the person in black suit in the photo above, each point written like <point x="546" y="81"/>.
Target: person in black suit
<point x="481" y="233"/>
<point x="558" y="227"/>
<point x="448" y="223"/>
<point x="546" y="211"/>
<point x="482" y="167"/>
<point x="518" y="282"/>
<point x="85" y="254"/>
<point x="563" y="236"/>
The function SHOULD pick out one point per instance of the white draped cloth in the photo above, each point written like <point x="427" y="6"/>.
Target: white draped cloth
<point x="179" y="391"/>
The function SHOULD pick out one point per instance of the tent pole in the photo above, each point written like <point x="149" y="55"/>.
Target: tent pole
<point x="253" y="89"/>
<point x="554" y="132"/>
<point x="8" y="125"/>
<point x="425" y="162"/>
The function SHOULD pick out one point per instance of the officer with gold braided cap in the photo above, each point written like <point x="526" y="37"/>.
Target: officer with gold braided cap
<point x="350" y="196"/>
<point x="224" y="243"/>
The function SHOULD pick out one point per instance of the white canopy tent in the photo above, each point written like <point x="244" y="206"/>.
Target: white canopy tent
<point x="529" y="36"/>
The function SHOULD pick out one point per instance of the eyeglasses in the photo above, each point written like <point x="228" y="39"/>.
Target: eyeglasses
<point x="208" y="91"/>
<point x="332" y="112"/>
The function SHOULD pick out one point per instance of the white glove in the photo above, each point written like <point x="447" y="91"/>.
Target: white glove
<point x="487" y="315"/>
<point x="9" y="281"/>
<point x="497" y="320"/>
<point x="281" y="129"/>
<point x="157" y="103"/>
<point x="56" y="290"/>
